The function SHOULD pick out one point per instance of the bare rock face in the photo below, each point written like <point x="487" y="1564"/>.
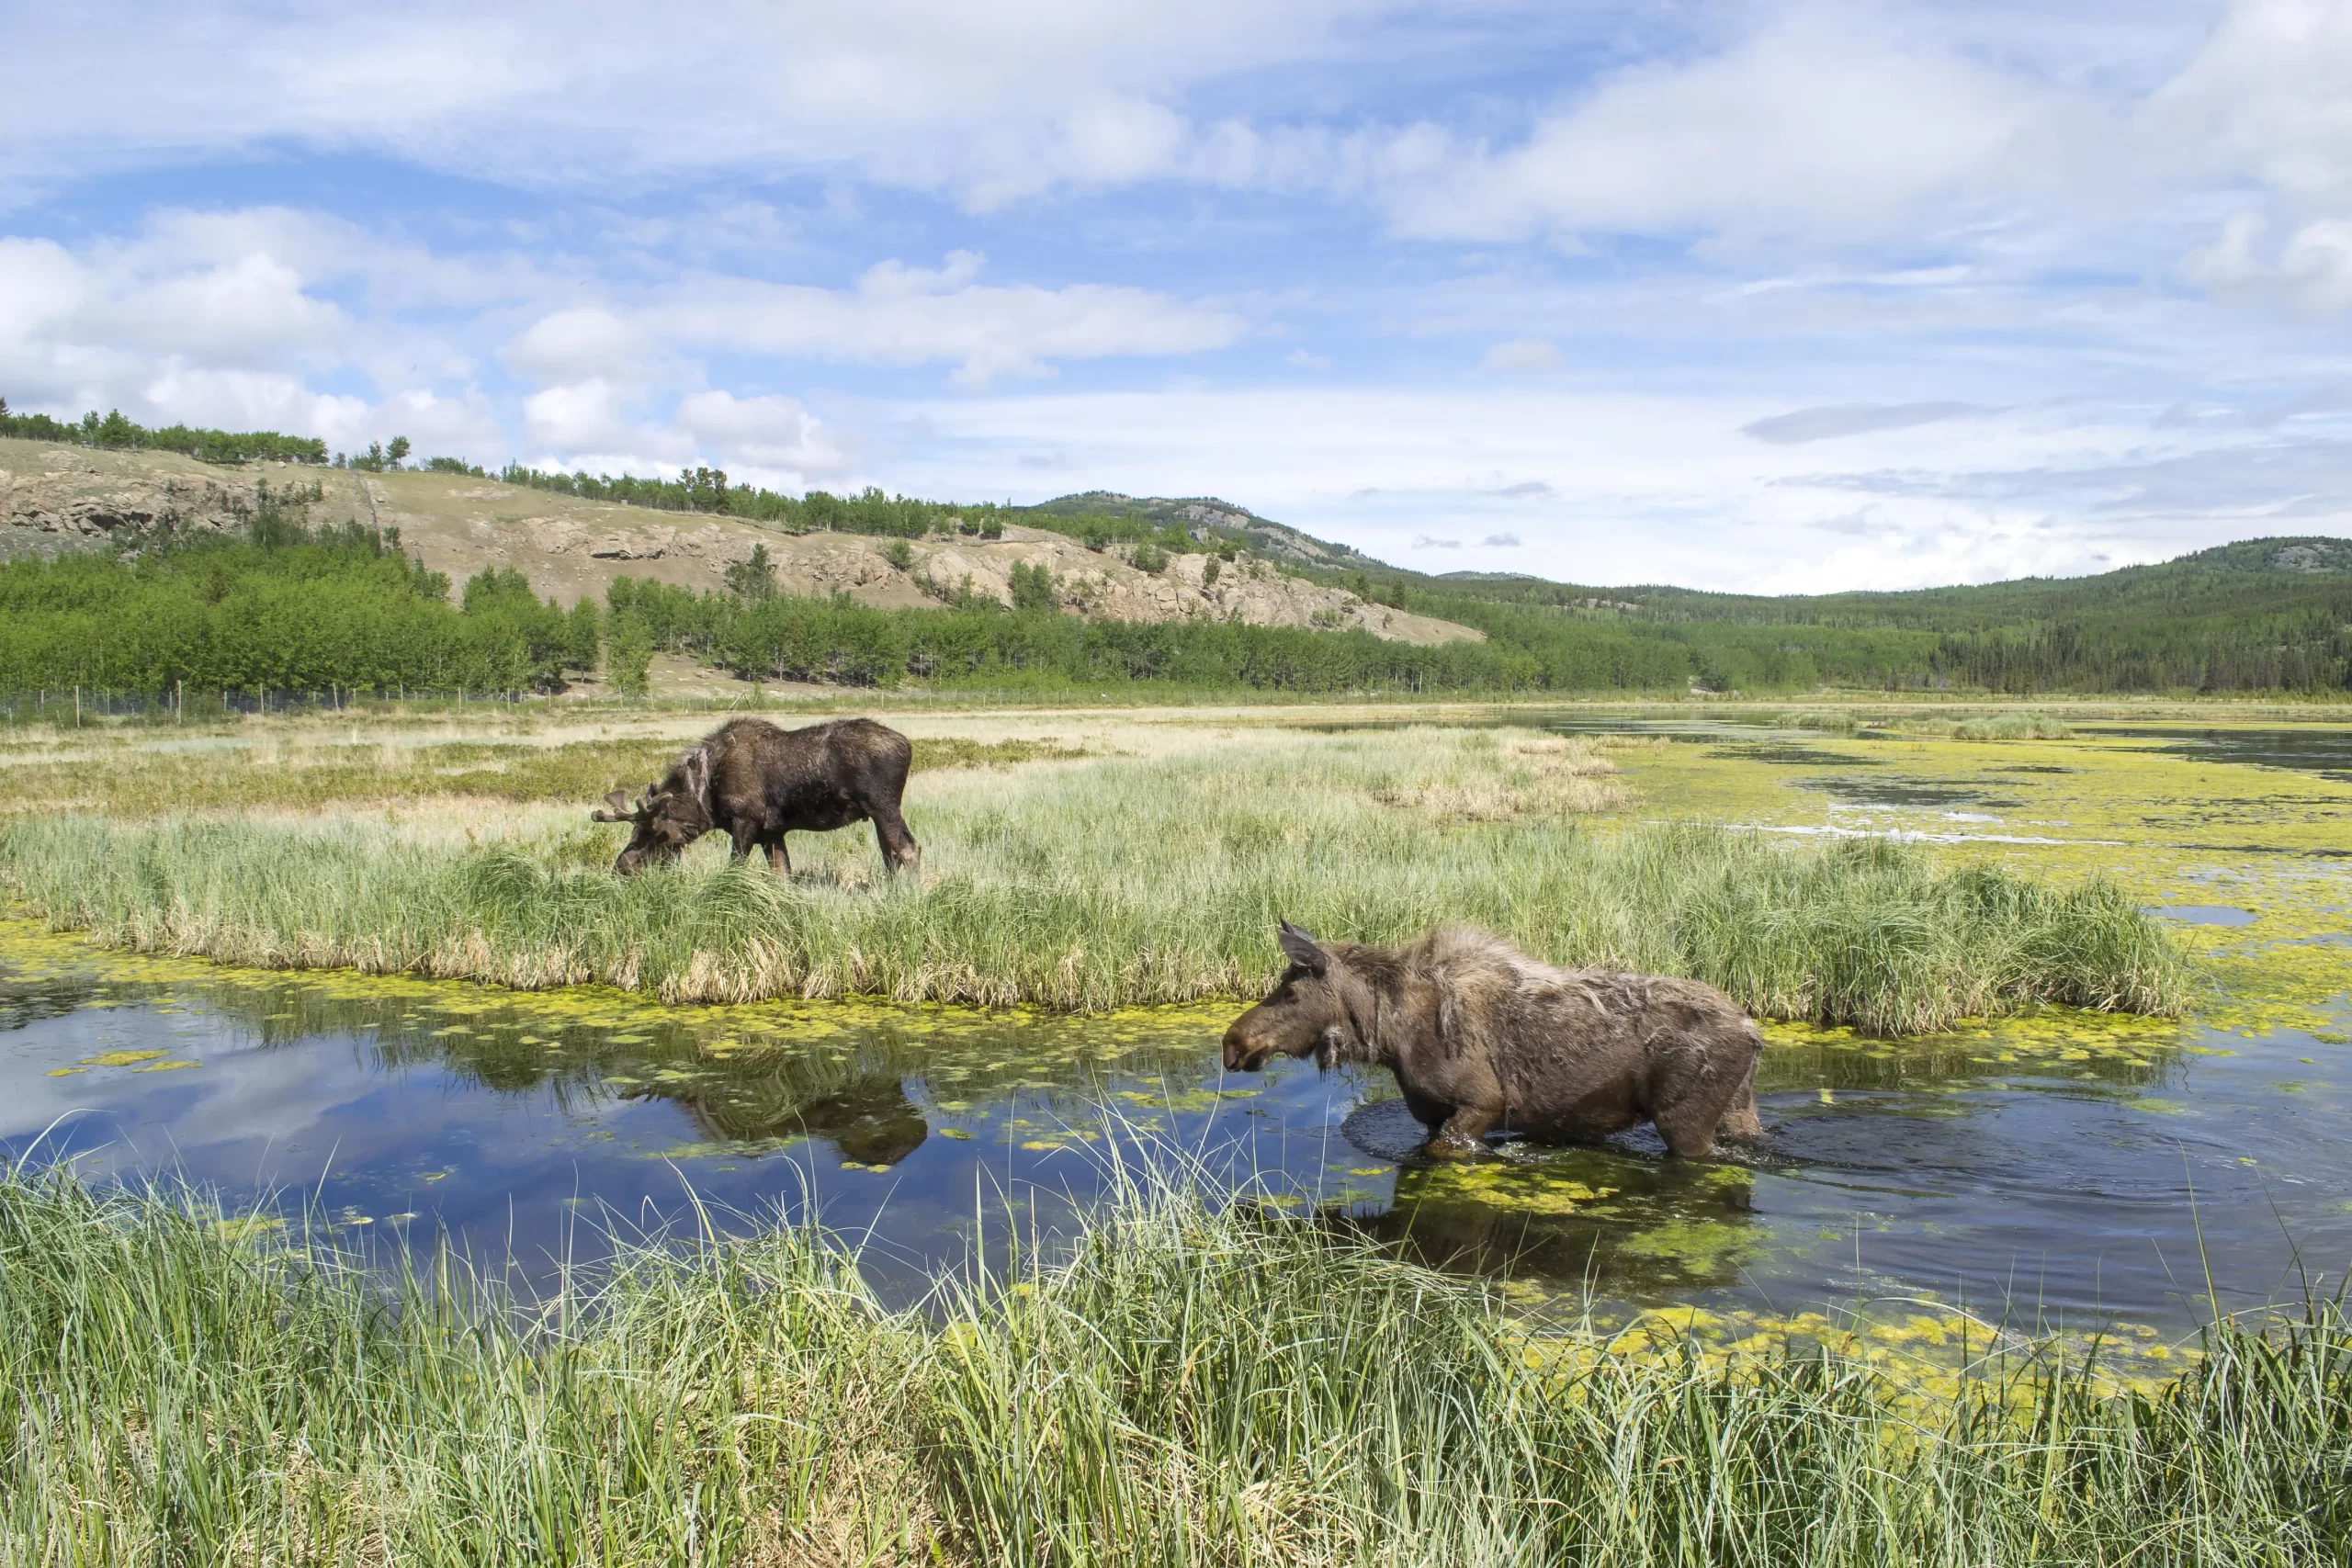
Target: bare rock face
<point x="634" y="544"/>
<point x="2312" y="556"/>
<point x="556" y="536"/>
<point x="55" y="499"/>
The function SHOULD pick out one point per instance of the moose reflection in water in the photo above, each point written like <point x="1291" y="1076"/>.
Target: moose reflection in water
<point x="857" y="1101"/>
<point x="870" y="1120"/>
<point x="756" y="783"/>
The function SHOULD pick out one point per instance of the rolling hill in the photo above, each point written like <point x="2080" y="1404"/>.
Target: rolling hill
<point x="2270" y="614"/>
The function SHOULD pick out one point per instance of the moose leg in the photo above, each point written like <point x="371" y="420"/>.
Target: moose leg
<point x="778" y="862"/>
<point x="899" y="850"/>
<point x="1741" y="1123"/>
<point x="741" y="839"/>
<point x="1465" y="1132"/>
<point x="1688" y="1126"/>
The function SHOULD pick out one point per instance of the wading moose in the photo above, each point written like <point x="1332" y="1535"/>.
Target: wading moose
<point x="756" y="783"/>
<point x="1481" y="1036"/>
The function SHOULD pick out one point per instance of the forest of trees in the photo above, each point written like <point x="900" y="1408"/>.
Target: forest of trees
<point x="285" y="610"/>
<point x="2260" y="614"/>
<point x="114" y="431"/>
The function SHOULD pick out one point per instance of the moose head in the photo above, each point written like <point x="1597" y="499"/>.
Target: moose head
<point x="1319" y="1007"/>
<point x="675" y="812"/>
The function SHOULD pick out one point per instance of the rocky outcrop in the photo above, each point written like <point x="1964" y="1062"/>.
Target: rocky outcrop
<point x="55" y="499"/>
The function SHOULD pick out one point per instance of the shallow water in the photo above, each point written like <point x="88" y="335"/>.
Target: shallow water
<point x="2056" y="1172"/>
<point x="2325" y="750"/>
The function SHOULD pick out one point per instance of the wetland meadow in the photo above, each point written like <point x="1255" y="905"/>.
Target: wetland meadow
<point x="386" y="1182"/>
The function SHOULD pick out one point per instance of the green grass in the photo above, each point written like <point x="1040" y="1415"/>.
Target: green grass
<point x="1186" y="1387"/>
<point x="1125" y="880"/>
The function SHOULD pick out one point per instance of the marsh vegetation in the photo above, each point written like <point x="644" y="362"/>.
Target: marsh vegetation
<point x="1154" y="876"/>
<point x="1186" y="1386"/>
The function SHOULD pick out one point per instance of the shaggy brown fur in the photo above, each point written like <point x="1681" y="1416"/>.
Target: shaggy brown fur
<point x="1481" y="1036"/>
<point x="756" y="783"/>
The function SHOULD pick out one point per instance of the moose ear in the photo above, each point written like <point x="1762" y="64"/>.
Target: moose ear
<point x="1300" y="948"/>
<point x="698" y="765"/>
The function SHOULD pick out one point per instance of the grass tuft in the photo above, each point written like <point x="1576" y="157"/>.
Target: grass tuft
<point x="2011" y="727"/>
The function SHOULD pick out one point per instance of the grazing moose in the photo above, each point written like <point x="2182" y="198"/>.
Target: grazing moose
<point x="756" y="783"/>
<point x="1481" y="1036"/>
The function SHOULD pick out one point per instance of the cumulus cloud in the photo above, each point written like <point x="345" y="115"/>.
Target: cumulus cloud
<point x="588" y="415"/>
<point x="225" y="339"/>
<point x="775" y="434"/>
<point x="1851" y="419"/>
<point x="2310" y="272"/>
<point x="583" y="342"/>
<point x="1500" y="541"/>
<point x="1827" y="121"/>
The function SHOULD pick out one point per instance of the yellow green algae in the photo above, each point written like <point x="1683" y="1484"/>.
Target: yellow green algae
<point x="2169" y="829"/>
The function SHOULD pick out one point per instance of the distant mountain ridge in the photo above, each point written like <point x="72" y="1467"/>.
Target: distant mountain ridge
<point x="2294" y="555"/>
<point x="1204" y="516"/>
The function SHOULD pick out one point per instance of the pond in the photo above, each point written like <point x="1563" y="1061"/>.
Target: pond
<point x="2064" y="1171"/>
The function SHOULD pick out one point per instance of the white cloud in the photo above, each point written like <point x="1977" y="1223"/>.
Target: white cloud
<point x="2266" y="98"/>
<point x="224" y="318"/>
<point x="579" y="415"/>
<point x="901" y="315"/>
<point x="250" y="399"/>
<point x="2310" y="272"/>
<point x="773" y="434"/>
<point x="1521" y="354"/>
<point x="993" y="102"/>
<point x="1825" y="122"/>
<point x="583" y="342"/>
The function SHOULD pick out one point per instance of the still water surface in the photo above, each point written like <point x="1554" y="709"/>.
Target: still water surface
<point x="2065" y="1175"/>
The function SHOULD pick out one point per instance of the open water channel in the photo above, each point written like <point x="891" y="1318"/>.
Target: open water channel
<point x="2043" y="1176"/>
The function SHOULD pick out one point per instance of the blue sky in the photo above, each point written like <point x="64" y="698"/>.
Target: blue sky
<point x="1782" y="297"/>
